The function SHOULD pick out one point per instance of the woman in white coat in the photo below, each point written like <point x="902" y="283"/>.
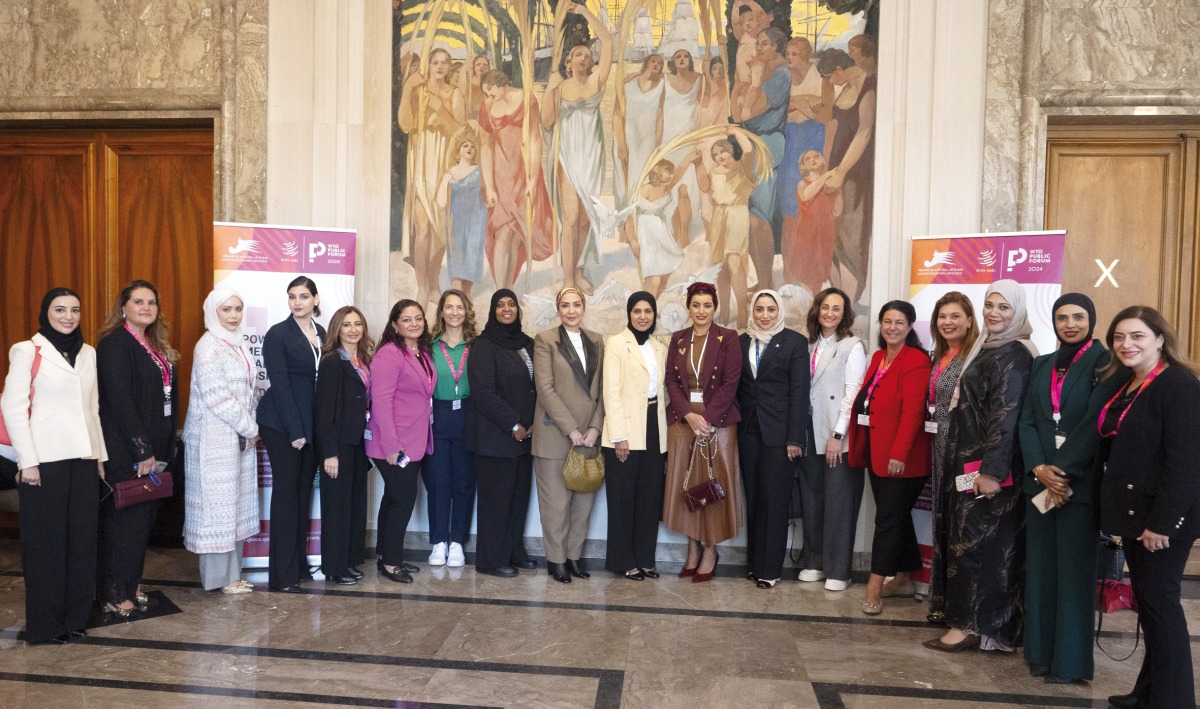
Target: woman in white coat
<point x="51" y="407"/>
<point x="219" y="436"/>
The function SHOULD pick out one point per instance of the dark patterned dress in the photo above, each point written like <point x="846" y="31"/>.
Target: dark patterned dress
<point x="943" y="393"/>
<point x="985" y="538"/>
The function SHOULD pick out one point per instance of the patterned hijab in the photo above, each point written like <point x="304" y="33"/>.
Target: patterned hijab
<point x="752" y="328"/>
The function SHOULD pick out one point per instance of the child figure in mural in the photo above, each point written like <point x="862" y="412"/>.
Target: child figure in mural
<point x="431" y="112"/>
<point x="729" y="182"/>
<point x="651" y="237"/>
<point x="462" y="192"/>
<point x="519" y="219"/>
<point x="749" y="19"/>
<point x="808" y="253"/>
<point x="571" y="112"/>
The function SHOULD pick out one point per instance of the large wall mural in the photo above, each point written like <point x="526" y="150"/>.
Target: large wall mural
<point x="619" y="145"/>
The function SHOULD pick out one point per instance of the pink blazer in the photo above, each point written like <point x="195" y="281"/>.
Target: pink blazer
<point x="401" y="404"/>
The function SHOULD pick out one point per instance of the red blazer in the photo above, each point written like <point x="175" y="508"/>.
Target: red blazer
<point x="720" y="373"/>
<point x="401" y="404"/>
<point x="897" y="416"/>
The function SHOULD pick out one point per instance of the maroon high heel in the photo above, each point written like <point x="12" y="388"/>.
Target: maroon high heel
<point x="701" y="578"/>
<point x="685" y="572"/>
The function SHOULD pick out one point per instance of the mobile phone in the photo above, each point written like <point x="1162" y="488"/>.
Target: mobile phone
<point x="403" y="460"/>
<point x="160" y="466"/>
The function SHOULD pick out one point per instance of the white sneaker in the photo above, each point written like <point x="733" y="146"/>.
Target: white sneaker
<point x="438" y="556"/>
<point x="835" y="585"/>
<point x="812" y="575"/>
<point x="456" y="557"/>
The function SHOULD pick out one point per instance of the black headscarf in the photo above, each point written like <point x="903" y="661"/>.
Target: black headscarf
<point x="67" y="345"/>
<point x="634" y="299"/>
<point x="510" y="336"/>
<point x="1067" y="352"/>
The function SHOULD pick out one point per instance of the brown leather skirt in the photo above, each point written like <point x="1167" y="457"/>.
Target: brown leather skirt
<point x="713" y="523"/>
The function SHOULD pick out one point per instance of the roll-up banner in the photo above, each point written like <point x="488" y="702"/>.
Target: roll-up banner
<point x="969" y="263"/>
<point x="258" y="261"/>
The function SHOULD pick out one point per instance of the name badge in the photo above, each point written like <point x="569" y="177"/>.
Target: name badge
<point x="864" y="419"/>
<point x="697" y="397"/>
<point x="430" y="419"/>
<point x="456" y="405"/>
<point x="366" y="434"/>
<point x="931" y="427"/>
<point x="1059" y="440"/>
<point x="167" y="409"/>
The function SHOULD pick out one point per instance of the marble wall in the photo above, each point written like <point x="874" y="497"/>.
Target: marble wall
<point x="184" y="59"/>
<point x="1075" y="57"/>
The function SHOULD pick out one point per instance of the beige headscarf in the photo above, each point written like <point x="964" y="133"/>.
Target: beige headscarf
<point x="752" y="329"/>
<point x="1018" y="330"/>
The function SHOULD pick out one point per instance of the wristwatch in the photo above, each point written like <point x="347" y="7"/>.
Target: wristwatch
<point x="839" y="436"/>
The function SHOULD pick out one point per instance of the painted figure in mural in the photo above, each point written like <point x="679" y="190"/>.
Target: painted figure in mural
<point x="810" y="259"/>
<point x="637" y="127"/>
<point x="729" y="183"/>
<point x="683" y="31"/>
<point x="714" y="110"/>
<point x="681" y="114"/>
<point x="863" y="51"/>
<point x="851" y="160"/>
<point x="802" y="133"/>
<point x="651" y="236"/>
<point x="431" y="112"/>
<point x="461" y="191"/>
<point x="761" y="107"/>
<point x="748" y="20"/>
<point x="571" y="110"/>
<point x="519" y="220"/>
<point x="469" y="84"/>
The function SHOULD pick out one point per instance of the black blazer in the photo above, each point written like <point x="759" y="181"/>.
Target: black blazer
<point x="502" y="395"/>
<point x="340" y="408"/>
<point x="1151" y="480"/>
<point x="131" y="405"/>
<point x="778" y="397"/>
<point x="288" y="358"/>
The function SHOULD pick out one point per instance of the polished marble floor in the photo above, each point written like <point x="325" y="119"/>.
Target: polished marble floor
<point x="455" y="639"/>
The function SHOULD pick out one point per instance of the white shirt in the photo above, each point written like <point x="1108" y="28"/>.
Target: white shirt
<point x="652" y="367"/>
<point x="576" y="339"/>
<point x="856" y="367"/>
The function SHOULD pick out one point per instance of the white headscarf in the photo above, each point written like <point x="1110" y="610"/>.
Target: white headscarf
<point x="1018" y="330"/>
<point x="212" y="323"/>
<point x="752" y="328"/>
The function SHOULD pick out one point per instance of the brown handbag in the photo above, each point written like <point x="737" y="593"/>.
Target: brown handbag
<point x="154" y="486"/>
<point x="710" y="491"/>
<point x="584" y="469"/>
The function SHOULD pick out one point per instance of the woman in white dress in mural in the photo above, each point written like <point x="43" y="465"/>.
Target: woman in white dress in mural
<point x="638" y="127"/>
<point x="681" y="113"/>
<point x="651" y="238"/>
<point x="571" y="110"/>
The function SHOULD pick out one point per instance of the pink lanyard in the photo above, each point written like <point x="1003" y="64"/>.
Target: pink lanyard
<point x="879" y="375"/>
<point x="1104" y="412"/>
<point x="364" y="374"/>
<point x="1056" y="384"/>
<point x="249" y="372"/>
<point x="938" y="370"/>
<point x="462" y="363"/>
<point x="427" y="368"/>
<point x="812" y="363"/>
<point x="164" y="365"/>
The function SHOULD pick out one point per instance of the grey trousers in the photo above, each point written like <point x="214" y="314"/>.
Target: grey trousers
<point x="221" y="569"/>
<point x="565" y="514"/>
<point x="830" y="499"/>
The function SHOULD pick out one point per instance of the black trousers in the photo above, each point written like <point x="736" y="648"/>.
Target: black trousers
<point x="58" y="547"/>
<point x="395" y="508"/>
<point x="894" y="548"/>
<point x="504" y="485"/>
<point x="124" y="536"/>
<point x="292" y="474"/>
<point x="634" y="493"/>
<point x="1166" y="677"/>
<point x="768" y="477"/>
<point x="343" y="509"/>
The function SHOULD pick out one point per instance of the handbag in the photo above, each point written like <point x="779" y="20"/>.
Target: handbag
<point x="1113" y="593"/>
<point x="710" y="491"/>
<point x="5" y="439"/>
<point x="584" y="469"/>
<point x="153" y="486"/>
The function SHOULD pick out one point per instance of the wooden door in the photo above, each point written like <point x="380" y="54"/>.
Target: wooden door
<point x="1125" y="194"/>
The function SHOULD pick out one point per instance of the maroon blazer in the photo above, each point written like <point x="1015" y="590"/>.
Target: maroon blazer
<point x="719" y="375"/>
<point x="897" y="416"/>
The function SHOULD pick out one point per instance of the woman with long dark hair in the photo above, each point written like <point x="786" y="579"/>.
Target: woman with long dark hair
<point x="403" y="380"/>
<point x="291" y="354"/>
<point x="139" y="403"/>
<point x="503" y="397"/>
<point x="51" y="406"/>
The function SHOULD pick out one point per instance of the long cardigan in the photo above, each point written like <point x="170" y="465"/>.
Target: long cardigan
<point x="568" y="392"/>
<point x="719" y="375"/>
<point x="221" y="495"/>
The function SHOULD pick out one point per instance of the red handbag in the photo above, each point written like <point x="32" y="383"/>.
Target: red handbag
<point x="5" y="439"/>
<point x="710" y="491"/>
<point x="1112" y="596"/>
<point x="153" y="486"/>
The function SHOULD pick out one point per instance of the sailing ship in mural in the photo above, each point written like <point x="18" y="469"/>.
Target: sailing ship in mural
<point x="619" y="145"/>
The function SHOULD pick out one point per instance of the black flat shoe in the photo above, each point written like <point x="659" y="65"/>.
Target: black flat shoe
<point x="576" y="569"/>
<point x="59" y="640"/>
<point x="504" y="572"/>
<point x="1126" y="701"/>
<point x="635" y="575"/>
<point x="294" y="588"/>
<point x="750" y="576"/>
<point x="766" y="583"/>
<point x="1036" y="670"/>
<point x="399" y="575"/>
<point x="527" y="564"/>
<point x="343" y="580"/>
<point x="559" y="572"/>
<point x="409" y="568"/>
<point x="650" y="573"/>
<point x="77" y="633"/>
<point x="1055" y="679"/>
<point x="353" y="572"/>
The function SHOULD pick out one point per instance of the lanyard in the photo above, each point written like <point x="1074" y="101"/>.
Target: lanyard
<point x="363" y="373"/>
<point x="164" y="366"/>
<point x="812" y="362"/>
<point x="757" y="354"/>
<point x="462" y="363"/>
<point x="1056" y="384"/>
<point x="691" y="362"/>
<point x="426" y="367"/>
<point x="937" y="373"/>
<point x="879" y="375"/>
<point x="1104" y="412"/>
<point x="249" y="371"/>
<point x="315" y="350"/>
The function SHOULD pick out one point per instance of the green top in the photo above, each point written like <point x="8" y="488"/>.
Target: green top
<point x="444" y="389"/>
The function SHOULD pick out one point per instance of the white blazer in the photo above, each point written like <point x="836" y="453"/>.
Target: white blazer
<point x="64" y="422"/>
<point x="626" y="381"/>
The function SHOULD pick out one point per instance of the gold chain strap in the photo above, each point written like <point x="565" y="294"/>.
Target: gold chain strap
<point x="706" y="445"/>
